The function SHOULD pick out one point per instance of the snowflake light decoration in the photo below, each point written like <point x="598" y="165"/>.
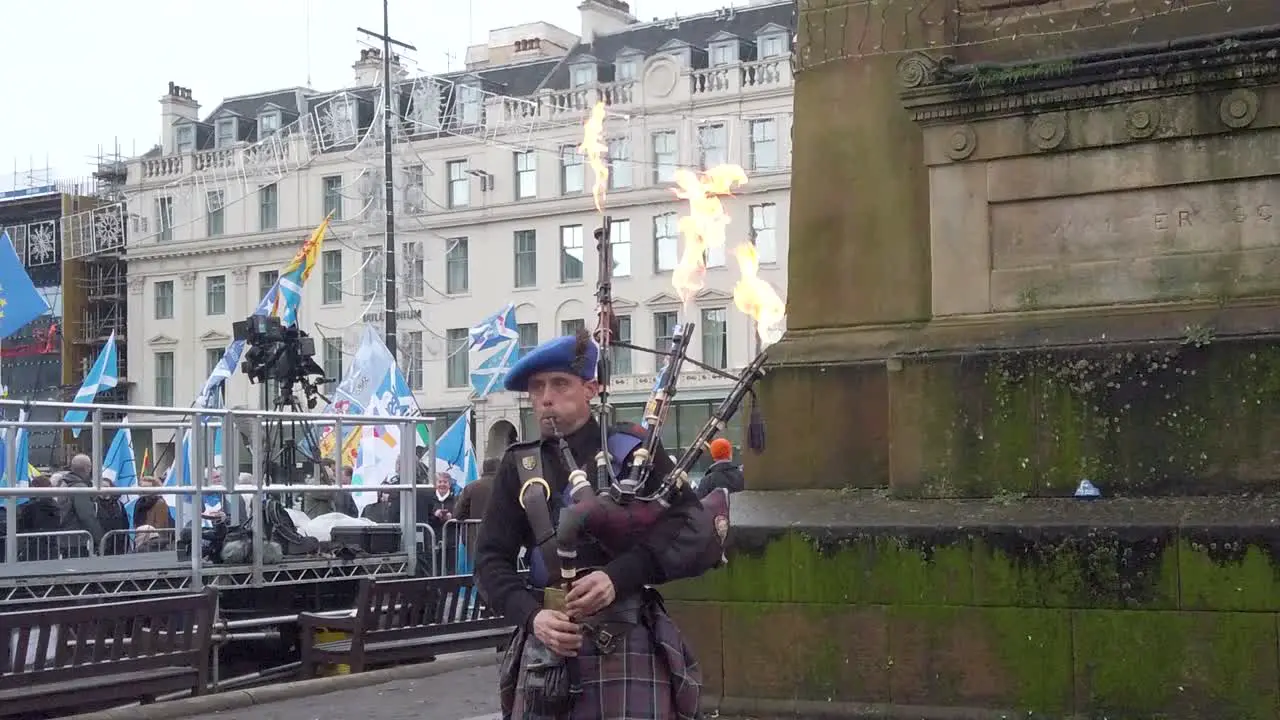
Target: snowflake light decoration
<point x="41" y="243"/>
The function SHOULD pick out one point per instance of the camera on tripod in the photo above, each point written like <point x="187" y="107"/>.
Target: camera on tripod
<point x="283" y="354"/>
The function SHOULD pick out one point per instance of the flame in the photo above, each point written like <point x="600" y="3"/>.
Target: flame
<point x="594" y="147"/>
<point x="757" y="298"/>
<point x="704" y="227"/>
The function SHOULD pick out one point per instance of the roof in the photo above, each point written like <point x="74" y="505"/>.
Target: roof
<point x="527" y="78"/>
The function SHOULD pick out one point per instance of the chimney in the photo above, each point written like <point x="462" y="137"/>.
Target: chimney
<point x="176" y="105"/>
<point x="369" y="68"/>
<point x="603" y="17"/>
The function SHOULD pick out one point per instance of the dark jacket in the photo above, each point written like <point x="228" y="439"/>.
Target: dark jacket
<point x="80" y="512"/>
<point x="432" y="504"/>
<point x="722" y="474"/>
<point x="505" y="529"/>
<point x="474" y="499"/>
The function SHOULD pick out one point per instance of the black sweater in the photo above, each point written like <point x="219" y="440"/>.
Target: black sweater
<point x="506" y="529"/>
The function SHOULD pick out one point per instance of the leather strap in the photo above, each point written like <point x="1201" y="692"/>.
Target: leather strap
<point x="535" y="498"/>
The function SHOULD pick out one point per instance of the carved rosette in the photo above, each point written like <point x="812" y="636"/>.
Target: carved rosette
<point x="1239" y="108"/>
<point x="962" y="142"/>
<point x="1142" y="119"/>
<point x="188" y="280"/>
<point x="1049" y="130"/>
<point x="136" y="284"/>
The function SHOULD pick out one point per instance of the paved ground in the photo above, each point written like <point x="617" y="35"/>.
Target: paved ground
<point x="469" y="694"/>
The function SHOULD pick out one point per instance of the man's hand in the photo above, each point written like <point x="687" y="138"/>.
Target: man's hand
<point x="589" y="595"/>
<point x="557" y="632"/>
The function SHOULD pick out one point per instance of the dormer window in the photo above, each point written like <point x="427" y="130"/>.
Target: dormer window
<point x="771" y="41"/>
<point x="773" y="46"/>
<point x="626" y="66"/>
<point x="184" y="137"/>
<point x="268" y="123"/>
<point x="582" y="75"/>
<point x="225" y="133"/>
<point x="723" y="54"/>
<point x="678" y="49"/>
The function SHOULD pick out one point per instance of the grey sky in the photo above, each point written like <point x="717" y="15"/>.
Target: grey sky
<point x="79" y="76"/>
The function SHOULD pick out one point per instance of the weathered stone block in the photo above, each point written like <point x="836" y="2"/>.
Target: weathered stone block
<point x="1014" y="658"/>
<point x="1176" y="664"/>
<point x="832" y="652"/>
<point x="1229" y="567"/>
<point x="852" y="403"/>
<point x="700" y="622"/>
<point x="883" y="569"/>
<point x="1189" y="418"/>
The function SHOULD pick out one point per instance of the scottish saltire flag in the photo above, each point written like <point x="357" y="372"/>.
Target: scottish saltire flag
<point x="295" y="274"/>
<point x="104" y="375"/>
<point x="20" y="302"/>
<point x="118" y="466"/>
<point x="489" y="374"/>
<point x="497" y="328"/>
<point x="454" y="452"/>
<point x="499" y="333"/>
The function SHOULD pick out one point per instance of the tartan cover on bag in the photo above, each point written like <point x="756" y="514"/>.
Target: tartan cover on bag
<point x="650" y="675"/>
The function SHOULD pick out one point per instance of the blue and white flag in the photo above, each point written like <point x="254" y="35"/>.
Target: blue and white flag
<point x="499" y="333"/>
<point x="104" y="375"/>
<point x="118" y="466"/>
<point x="498" y="328"/>
<point x="454" y="452"/>
<point x="20" y="302"/>
<point x="23" y="461"/>
<point x="488" y="376"/>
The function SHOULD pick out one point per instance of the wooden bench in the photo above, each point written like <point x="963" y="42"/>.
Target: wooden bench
<point x="90" y="656"/>
<point x="400" y="621"/>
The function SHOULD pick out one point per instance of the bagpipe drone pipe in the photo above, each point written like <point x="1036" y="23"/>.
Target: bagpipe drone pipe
<point x="619" y="512"/>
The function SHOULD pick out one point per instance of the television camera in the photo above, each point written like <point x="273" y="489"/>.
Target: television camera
<point x="284" y="357"/>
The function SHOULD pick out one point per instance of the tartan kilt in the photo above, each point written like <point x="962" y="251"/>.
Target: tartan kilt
<point x="650" y="675"/>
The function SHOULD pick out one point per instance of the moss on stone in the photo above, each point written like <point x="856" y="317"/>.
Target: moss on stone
<point x="1140" y="664"/>
<point x="1193" y="418"/>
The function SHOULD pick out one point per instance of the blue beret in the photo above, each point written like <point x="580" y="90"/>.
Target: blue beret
<point x="556" y="355"/>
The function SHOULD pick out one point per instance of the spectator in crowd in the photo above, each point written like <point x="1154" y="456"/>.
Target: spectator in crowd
<point x="38" y="515"/>
<point x="78" y="512"/>
<point x="475" y="496"/>
<point x="723" y="473"/>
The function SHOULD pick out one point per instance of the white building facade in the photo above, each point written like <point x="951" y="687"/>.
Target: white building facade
<point x="493" y="206"/>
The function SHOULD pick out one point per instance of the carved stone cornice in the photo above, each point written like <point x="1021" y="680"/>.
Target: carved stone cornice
<point x="937" y="91"/>
<point x="218" y="246"/>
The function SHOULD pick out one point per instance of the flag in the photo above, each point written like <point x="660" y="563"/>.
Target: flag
<point x="226" y="367"/>
<point x="294" y="277"/>
<point x="119" y="467"/>
<point x="488" y="376"/>
<point x="23" y="464"/>
<point x="499" y="333"/>
<point x="104" y="375"/>
<point x="146" y="461"/>
<point x="497" y="328"/>
<point x="20" y="302"/>
<point x="454" y="452"/>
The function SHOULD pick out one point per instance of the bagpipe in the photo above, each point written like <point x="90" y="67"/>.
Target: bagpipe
<point x="619" y="511"/>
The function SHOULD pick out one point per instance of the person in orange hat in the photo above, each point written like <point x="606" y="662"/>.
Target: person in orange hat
<point x="723" y="473"/>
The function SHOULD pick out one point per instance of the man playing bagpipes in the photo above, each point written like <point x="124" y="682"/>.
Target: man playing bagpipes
<point x="598" y="644"/>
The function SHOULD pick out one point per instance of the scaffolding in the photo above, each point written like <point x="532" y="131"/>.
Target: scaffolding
<point x="95" y="240"/>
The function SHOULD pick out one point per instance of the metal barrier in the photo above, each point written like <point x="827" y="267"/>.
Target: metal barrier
<point x="457" y="546"/>
<point x="197" y="425"/>
<point x="121" y="542"/>
<point x="426" y="541"/>
<point x="52" y="545"/>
